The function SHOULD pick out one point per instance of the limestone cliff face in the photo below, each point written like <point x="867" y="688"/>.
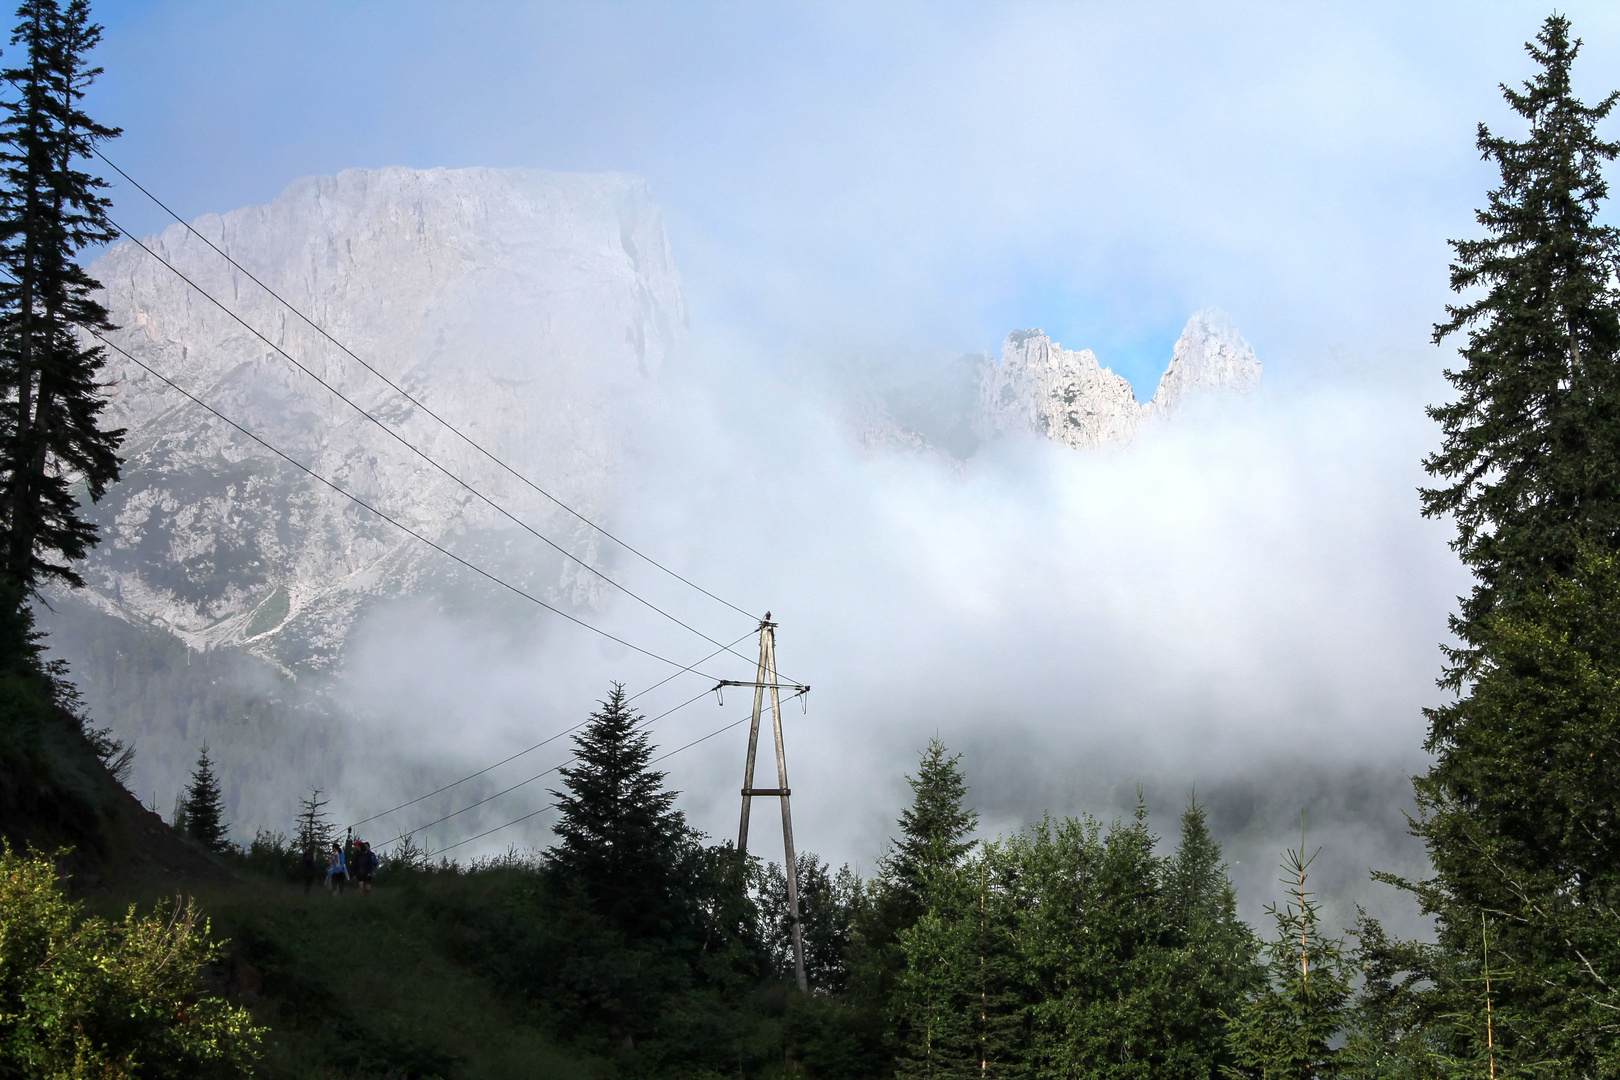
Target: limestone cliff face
<point x="526" y="307"/>
<point x="1209" y="356"/>
<point x="1041" y="388"/>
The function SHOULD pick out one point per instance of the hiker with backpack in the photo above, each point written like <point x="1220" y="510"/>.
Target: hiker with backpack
<point x="366" y="864"/>
<point x="336" y="873"/>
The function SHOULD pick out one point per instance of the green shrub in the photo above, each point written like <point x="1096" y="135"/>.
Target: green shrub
<point x="84" y="997"/>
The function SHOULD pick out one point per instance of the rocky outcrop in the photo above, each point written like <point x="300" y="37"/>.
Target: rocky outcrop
<point x="526" y="307"/>
<point x="1210" y="355"/>
<point x="1041" y="388"/>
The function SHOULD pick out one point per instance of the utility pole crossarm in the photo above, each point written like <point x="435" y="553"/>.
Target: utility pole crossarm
<point x="765" y="685"/>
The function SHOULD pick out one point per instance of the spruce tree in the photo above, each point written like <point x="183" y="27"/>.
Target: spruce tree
<point x="620" y="839"/>
<point x="313" y="828"/>
<point x="1518" y="816"/>
<point x="202" y="809"/>
<point x="935" y="829"/>
<point x="935" y="833"/>
<point x="1288" y="1030"/>
<point x="1517" y="811"/>
<point x="52" y="445"/>
<point x="1529" y="465"/>
<point x="1214" y="955"/>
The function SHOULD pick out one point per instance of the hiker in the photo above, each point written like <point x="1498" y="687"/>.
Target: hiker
<point x="367" y="865"/>
<point x="335" y="872"/>
<point x="312" y="870"/>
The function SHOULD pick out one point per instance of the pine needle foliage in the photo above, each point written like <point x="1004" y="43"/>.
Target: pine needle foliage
<point x="202" y="808"/>
<point x="1518" y="817"/>
<point x="1529" y="465"/>
<point x="1287" y="1030"/>
<point x="620" y="839"/>
<point x="52" y="445"/>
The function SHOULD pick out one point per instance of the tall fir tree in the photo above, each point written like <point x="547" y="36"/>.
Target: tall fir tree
<point x="1517" y="811"/>
<point x="1529" y="465"/>
<point x="935" y="835"/>
<point x="1213" y="961"/>
<point x="52" y="444"/>
<point x="1291" y="1028"/>
<point x="1518" y="816"/>
<point x="936" y="829"/>
<point x="201" y="815"/>
<point x="620" y="839"/>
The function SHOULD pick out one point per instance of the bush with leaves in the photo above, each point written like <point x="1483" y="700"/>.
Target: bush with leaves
<point x="85" y="997"/>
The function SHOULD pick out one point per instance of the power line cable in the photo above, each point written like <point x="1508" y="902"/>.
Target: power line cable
<point x="553" y="806"/>
<point x="402" y="392"/>
<point x="397" y="437"/>
<point x="391" y="520"/>
<point x="524" y="783"/>
<point x="538" y="745"/>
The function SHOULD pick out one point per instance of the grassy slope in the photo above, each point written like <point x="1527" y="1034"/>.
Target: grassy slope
<point x="351" y="986"/>
<point x="363" y="984"/>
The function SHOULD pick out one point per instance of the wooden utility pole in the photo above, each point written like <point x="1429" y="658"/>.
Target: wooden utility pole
<point x="765" y="680"/>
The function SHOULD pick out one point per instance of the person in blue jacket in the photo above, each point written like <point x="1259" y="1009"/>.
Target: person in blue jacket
<point x="336" y="876"/>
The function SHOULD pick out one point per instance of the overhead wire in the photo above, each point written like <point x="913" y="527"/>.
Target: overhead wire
<point x="397" y="437"/>
<point x="553" y="806"/>
<point x="543" y="742"/>
<point x="402" y="392"/>
<point x="385" y="517"/>
<point x="538" y="775"/>
<point x="474" y="444"/>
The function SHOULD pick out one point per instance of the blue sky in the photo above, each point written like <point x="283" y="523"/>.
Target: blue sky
<point x="860" y="176"/>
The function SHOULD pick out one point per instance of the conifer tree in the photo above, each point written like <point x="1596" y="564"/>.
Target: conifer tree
<point x="1518" y="816"/>
<point x="1529" y="465"/>
<point x="1214" y="956"/>
<point x="935" y="833"/>
<point x="620" y="839"/>
<point x="935" y="829"/>
<point x="959" y="999"/>
<point x="1517" y="811"/>
<point x="51" y="442"/>
<point x="202" y="810"/>
<point x="313" y="829"/>
<point x="1287" y="1030"/>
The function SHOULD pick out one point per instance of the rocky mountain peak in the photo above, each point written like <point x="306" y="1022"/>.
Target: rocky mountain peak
<point x="1039" y="387"/>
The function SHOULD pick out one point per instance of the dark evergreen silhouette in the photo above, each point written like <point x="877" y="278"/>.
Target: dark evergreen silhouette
<point x="1529" y="465"/>
<point x="202" y="809"/>
<point x="620" y="839"/>
<point x="313" y="828"/>
<point x="52" y="445"/>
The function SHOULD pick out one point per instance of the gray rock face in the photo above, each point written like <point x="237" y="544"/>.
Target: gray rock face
<point x="1209" y="355"/>
<point x="525" y="307"/>
<point x="1041" y="388"/>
